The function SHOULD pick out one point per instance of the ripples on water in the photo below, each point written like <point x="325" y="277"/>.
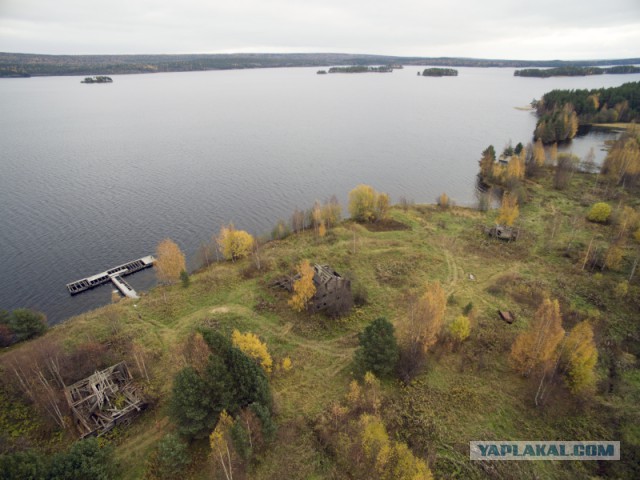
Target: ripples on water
<point x="96" y="175"/>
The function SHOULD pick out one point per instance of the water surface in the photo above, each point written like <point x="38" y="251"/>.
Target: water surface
<point x="95" y="175"/>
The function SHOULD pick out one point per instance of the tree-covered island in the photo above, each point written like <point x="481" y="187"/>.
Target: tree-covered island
<point x="439" y="72"/>
<point x="98" y="79"/>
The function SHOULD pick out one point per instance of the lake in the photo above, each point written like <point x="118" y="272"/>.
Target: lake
<point x="96" y="175"/>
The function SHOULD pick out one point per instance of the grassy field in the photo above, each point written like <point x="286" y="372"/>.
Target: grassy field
<point x="467" y="392"/>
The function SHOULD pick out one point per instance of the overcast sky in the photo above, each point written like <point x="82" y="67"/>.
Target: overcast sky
<point x="515" y="29"/>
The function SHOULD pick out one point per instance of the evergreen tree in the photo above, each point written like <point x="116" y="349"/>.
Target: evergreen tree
<point x="197" y="400"/>
<point x="378" y="352"/>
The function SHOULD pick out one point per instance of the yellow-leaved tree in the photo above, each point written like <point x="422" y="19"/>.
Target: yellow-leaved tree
<point x="303" y="288"/>
<point x="515" y="169"/>
<point x="367" y="205"/>
<point x="539" y="156"/>
<point x="251" y="345"/>
<point x="222" y="445"/>
<point x="362" y="203"/>
<point x="537" y="347"/>
<point x="390" y="459"/>
<point x="169" y="261"/>
<point x="509" y="210"/>
<point x="428" y="316"/>
<point x="234" y="244"/>
<point x="581" y="356"/>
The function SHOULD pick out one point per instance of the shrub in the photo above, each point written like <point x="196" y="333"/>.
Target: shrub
<point x="170" y="457"/>
<point x="600" y="212"/>
<point x="460" y="328"/>
<point x="26" y="324"/>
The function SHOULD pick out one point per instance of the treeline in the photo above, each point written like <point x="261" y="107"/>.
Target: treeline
<point x="560" y="112"/>
<point x="361" y="69"/>
<point x="439" y="72"/>
<point x="20" y="64"/>
<point x="574" y="71"/>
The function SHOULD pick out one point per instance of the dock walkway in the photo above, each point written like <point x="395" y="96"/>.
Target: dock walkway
<point x="113" y="275"/>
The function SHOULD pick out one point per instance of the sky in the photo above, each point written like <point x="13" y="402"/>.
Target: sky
<point x="505" y="29"/>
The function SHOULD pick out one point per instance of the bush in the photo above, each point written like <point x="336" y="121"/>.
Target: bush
<point x="460" y="328"/>
<point x="85" y="459"/>
<point x="600" y="212"/>
<point x="170" y="458"/>
<point x="29" y="464"/>
<point x="26" y="324"/>
<point x="378" y="352"/>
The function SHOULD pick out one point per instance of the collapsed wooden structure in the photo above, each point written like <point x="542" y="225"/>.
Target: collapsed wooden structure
<point x="503" y="232"/>
<point x="333" y="292"/>
<point x="103" y="400"/>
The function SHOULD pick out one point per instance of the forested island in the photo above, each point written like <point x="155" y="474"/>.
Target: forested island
<point x="449" y="334"/>
<point x="23" y="64"/>
<point x="561" y="112"/>
<point x="439" y="72"/>
<point x="575" y="71"/>
<point x="361" y="69"/>
<point x="98" y="79"/>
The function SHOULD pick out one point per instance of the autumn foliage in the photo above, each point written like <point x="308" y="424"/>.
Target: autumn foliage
<point x="170" y="261"/>
<point x="367" y="205"/>
<point x="537" y="347"/>
<point x="251" y="346"/>
<point x="581" y="357"/>
<point x="234" y="244"/>
<point x="303" y="289"/>
<point x="509" y="210"/>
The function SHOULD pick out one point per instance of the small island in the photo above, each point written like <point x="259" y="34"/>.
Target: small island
<point x="439" y="72"/>
<point x="321" y="72"/>
<point x="361" y="69"/>
<point x="98" y="79"/>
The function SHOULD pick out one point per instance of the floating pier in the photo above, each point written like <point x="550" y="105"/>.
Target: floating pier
<point x="114" y="275"/>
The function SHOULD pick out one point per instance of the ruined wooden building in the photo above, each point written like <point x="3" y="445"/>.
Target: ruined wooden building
<point x="103" y="400"/>
<point x="503" y="232"/>
<point x="333" y="292"/>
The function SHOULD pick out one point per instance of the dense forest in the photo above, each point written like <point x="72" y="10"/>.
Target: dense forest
<point x="439" y="72"/>
<point x="575" y="71"/>
<point x="21" y="64"/>
<point x="560" y="112"/>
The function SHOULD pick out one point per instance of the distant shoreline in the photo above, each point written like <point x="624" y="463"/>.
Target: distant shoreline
<point x="24" y="64"/>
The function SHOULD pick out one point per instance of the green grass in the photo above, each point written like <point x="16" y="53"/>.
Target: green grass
<point x="468" y="393"/>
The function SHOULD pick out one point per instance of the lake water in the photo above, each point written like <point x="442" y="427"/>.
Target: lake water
<point x="95" y="175"/>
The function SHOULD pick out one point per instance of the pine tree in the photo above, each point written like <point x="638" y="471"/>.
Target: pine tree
<point x="378" y="352"/>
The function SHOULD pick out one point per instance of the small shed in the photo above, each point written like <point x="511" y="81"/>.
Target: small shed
<point x="103" y="400"/>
